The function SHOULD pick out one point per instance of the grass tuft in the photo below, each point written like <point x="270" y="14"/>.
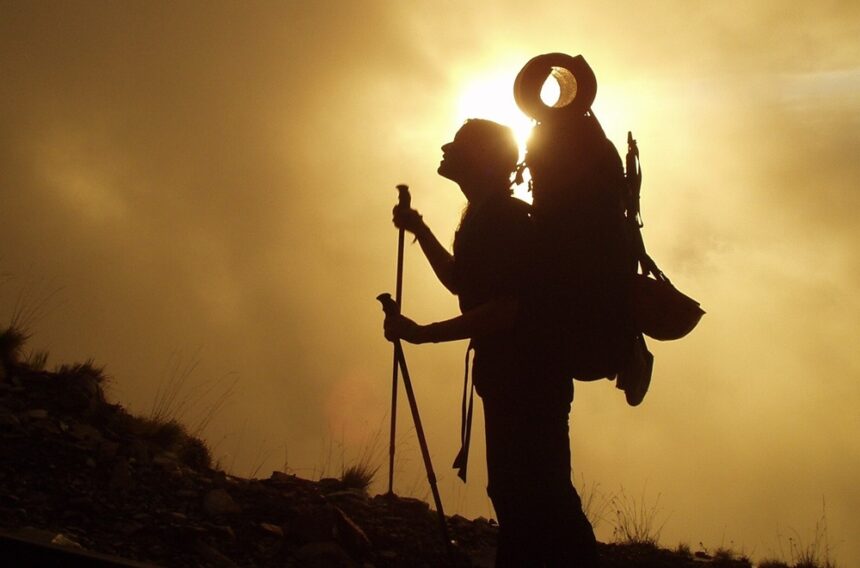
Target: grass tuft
<point x="594" y="502"/>
<point x="637" y="522"/>
<point x="87" y="369"/>
<point x="812" y="553"/>
<point x="358" y="476"/>
<point x="12" y="341"/>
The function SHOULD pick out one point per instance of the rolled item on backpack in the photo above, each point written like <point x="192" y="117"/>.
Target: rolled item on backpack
<point x="576" y="81"/>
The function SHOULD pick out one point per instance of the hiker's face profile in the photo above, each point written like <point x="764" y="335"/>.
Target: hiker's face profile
<point x="479" y="154"/>
<point x="458" y="157"/>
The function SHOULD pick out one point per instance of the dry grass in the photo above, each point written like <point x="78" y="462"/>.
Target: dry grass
<point x="637" y="521"/>
<point x="809" y="553"/>
<point x="594" y="502"/>
<point x="12" y="341"/>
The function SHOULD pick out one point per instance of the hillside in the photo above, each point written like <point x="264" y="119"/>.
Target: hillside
<point x="81" y="474"/>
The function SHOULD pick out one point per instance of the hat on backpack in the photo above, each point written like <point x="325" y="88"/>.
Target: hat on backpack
<point x="576" y="81"/>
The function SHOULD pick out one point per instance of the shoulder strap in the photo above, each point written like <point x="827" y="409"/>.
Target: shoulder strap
<point x="461" y="462"/>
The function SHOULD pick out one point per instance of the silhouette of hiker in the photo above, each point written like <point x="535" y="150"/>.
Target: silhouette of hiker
<point x="526" y="406"/>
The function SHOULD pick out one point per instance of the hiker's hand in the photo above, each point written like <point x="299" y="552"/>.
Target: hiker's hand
<point x="408" y="219"/>
<point x="401" y="327"/>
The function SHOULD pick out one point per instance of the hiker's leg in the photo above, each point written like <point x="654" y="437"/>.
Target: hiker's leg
<point x="566" y="536"/>
<point x="570" y="538"/>
<point x="509" y="484"/>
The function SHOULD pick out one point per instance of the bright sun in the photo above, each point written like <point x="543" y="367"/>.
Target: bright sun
<point x="491" y="96"/>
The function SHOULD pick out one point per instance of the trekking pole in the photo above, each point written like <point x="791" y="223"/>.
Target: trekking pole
<point x="391" y="308"/>
<point x="404" y="200"/>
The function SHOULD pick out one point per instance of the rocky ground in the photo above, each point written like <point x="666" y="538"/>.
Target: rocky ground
<point x="81" y="473"/>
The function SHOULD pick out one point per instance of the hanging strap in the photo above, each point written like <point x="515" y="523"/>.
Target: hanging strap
<point x="462" y="460"/>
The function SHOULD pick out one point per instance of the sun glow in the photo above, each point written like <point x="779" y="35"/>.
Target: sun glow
<point x="491" y="96"/>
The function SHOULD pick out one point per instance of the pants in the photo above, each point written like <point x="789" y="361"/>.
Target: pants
<point x="541" y="522"/>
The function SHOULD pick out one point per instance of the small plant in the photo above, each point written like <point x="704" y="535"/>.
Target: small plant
<point x="813" y="553"/>
<point x="171" y="436"/>
<point x="174" y="399"/>
<point x="637" y="522"/>
<point x="594" y="502"/>
<point x="771" y="563"/>
<point x="358" y="476"/>
<point x="86" y="369"/>
<point x="36" y="360"/>
<point x="724" y="555"/>
<point x="684" y="550"/>
<point x="12" y="340"/>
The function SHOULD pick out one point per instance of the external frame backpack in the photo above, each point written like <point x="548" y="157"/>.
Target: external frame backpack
<point x="599" y="291"/>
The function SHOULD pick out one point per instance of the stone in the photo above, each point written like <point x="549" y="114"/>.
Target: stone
<point x="213" y="557"/>
<point x="351" y="536"/>
<point x="281" y="478"/>
<point x="9" y="420"/>
<point x="272" y="529"/>
<point x="218" y="502"/>
<point x="121" y="480"/>
<point x="37" y="414"/>
<point x="86" y="433"/>
<point x="312" y="524"/>
<point x="108" y="449"/>
<point x="62" y="540"/>
<point x="323" y="554"/>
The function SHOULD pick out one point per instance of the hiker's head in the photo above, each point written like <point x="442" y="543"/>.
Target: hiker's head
<point x="481" y="157"/>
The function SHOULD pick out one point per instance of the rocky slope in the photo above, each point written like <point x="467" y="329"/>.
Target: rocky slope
<point x="83" y="474"/>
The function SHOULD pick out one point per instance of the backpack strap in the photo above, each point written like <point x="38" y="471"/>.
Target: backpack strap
<point x="461" y="462"/>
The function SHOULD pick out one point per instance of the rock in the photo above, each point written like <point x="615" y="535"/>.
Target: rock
<point x="86" y="433"/>
<point x="37" y="414"/>
<point x="312" y="524"/>
<point x="108" y="449"/>
<point x="218" y="502"/>
<point x="351" y="536"/>
<point x="63" y="540"/>
<point x="213" y="557"/>
<point x="326" y="554"/>
<point x="8" y="420"/>
<point x="281" y="478"/>
<point x="329" y="484"/>
<point x="168" y="459"/>
<point x="272" y="529"/>
<point x="120" y="480"/>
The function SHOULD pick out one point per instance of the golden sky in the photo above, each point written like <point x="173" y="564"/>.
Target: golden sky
<point x="213" y="182"/>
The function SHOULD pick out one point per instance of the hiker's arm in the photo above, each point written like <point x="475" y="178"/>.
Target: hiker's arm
<point x="494" y="316"/>
<point x="440" y="259"/>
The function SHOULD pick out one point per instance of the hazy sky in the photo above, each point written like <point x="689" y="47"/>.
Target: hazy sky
<point x="212" y="182"/>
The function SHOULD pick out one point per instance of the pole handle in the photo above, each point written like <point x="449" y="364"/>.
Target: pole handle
<point x="403" y="197"/>
<point x="389" y="306"/>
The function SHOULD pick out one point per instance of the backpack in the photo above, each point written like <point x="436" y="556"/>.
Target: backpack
<point x="591" y="305"/>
